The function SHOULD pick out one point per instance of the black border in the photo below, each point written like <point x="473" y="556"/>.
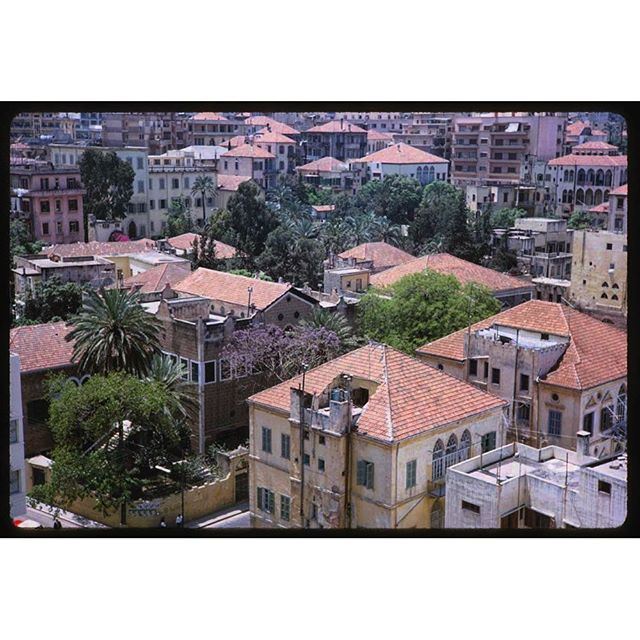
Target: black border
<point x="629" y="110"/>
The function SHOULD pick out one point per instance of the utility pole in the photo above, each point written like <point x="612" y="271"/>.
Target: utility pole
<point x="250" y="291"/>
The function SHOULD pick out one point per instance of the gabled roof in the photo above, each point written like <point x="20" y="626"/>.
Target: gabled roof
<point x="247" y="151"/>
<point x="374" y="134"/>
<point x="402" y="153"/>
<point x="234" y="142"/>
<point x="382" y="254"/>
<point x="594" y="145"/>
<point x="231" y="288"/>
<point x="411" y="397"/>
<point x="230" y="183"/>
<point x="597" y="352"/>
<point x="209" y="115"/>
<point x="271" y="137"/>
<point x="185" y="242"/>
<point x="155" y="279"/>
<point x="574" y="159"/>
<point x="445" y="263"/>
<point x="603" y="207"/>
<point x="336" y="126"/>
<point x="41" y="346"/>
<point x="275" y="125"/>
<point x="620" y="191"/>
<point x="76" y="249"/>
<point x="327" y="164"/>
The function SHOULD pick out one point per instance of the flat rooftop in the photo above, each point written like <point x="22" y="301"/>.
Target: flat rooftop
<point x="616" y="468"/>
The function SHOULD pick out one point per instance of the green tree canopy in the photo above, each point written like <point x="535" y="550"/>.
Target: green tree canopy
<point x="179" y="219"/>
<point x="422" y="307"/>
<point x="53" y="300"/>
<point x="108" y="182"/>
<point x="396" y="197"/>
<point x="580" y="220"/>
<point x="505" y="218"/>
<point x="440" y="201"/>
<point x="20" y="240"/>
<point x="204" y="187"/>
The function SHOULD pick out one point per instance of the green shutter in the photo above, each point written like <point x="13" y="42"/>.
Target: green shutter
<point x="369" y="475"/>
<point x="259" y="497"/>
<point x="362" y="472"/>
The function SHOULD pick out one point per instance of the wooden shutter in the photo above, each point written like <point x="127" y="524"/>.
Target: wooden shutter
<point x="362" y="472"/>
<point x="369" y="475"/>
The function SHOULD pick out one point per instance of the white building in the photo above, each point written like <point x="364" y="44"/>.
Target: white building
<point x="520" y="487"/>
<point x="17" y="481"/>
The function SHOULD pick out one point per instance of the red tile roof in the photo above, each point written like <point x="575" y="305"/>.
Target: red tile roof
<point x="275" y="125"/>
<point x="247" y="151"/>
<point x="76" y="249"/>
<point x="411" y="397"/>
<point x="594" y="145"/>
<point x="574" y="159"/>
<point x="620" y="191"/>
<point x="374" y="134"/>
<point x="575" y="128"/>
<point x="597" y="352"/>
<point x="231" y="183"/>
<point x="157" y="278"/>
<point x="209" y="115"/>
<point x="336" y="126"/>
<point x="234" y="142"/>
<point x="447" y="264"/>
<point x="327" y="164"/>
<point x="322" y="208"/>
<point x="601" y="208"/>
<point x="383" y="255"/>
<point x="402" y="154"/>
<point x="41" y="346"/>
<point x="228" y="287"/>
<point x="185" y="242"/>
<point x="271" y="137"/>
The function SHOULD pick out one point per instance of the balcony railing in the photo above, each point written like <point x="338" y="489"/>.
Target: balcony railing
<point x="440" y="465"/>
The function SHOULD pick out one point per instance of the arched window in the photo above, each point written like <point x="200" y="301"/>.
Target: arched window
<point x="579" y="197"/>
<point x="438" y="450"/>
<point x="465" y="444"/>
<point x="598" y="198"/>
<point x="432" y="173"/>
<point x="621" y="404"/>
<point x="438" y="466"/>
<point x="614" y="297"/>
<point x="419" y="175"/>
<point x="606" y="194"/>
<point x="565" y="196"/>
<point x="608" y="178"/>
<point x="566" y="175"/>
<point x="605" y="296"/>
<point x="591" y="176"/>
<point x="581" y="176"/>
<point x="571" y="175"/>
<point x="600" y="177"/>
<point x="605" y="284"/>
<point x="570" y="197"/>
<point x="452" y="444"/>
<point x="588" y="197"/>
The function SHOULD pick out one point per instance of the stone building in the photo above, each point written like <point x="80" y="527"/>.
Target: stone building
<point x="329" y="173"/>
<point x="561" y="371"/>
<point x="250" y="161"/>
<point x="209" y="128"/>
<point x="156" y="131"/>
<point x="336" y="139"/>
<point x="520" y="487"/>
<point x="363" y="441"/>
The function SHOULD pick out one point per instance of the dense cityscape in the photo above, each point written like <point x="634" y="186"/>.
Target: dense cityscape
<point x="318" y="320"/>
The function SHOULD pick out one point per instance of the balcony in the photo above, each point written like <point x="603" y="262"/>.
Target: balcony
<point x="440" y="465"/>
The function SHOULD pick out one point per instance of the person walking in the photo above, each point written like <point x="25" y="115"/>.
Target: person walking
<point x="56" y="523"/>
<point x="179" y="520"/>
<point x="163" y="523"/>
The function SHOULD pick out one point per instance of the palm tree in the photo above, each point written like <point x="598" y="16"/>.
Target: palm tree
<point x="112" y="332"/>
<point x="169" y="373"/>
<point x="204" y="186"/>
<point x="335" y="235"/>
<point x="387" y="231"/>
<point x="359" y="229"/>
<point x="336" y="322"/>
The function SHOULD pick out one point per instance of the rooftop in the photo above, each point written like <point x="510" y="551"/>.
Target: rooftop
<point x="157" y="278"/>
<point x="402" y="154"/>
<point x="185" y="243"/>
<point x="209" y="116"/>
<point x="336" y="126"/>
<point x="597" y="352"/>
<point x="411" y="397"/>
<point x="383" y="255"/>
<point x="620" y="191"/>
<point x="41" y="346"/>
<point x="275" y="125"/>
<point x="327" y="164"/>
<point x="247" y="151"/>
<point x="573" y="159"/>
<point x="447" y="264"/>
<point x="231" y="183"/>
<point x="100" y="248"/>
<point x="595" y="145"/>
<point x="374" y="134"/>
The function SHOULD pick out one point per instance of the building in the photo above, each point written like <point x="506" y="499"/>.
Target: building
<point x="403" y="160"/>
<point x="50" y="200"/>
<point x="501" y="148"/>
<point x="157" y="132"/>
<point x="329" y="173"/>
<point x="363" y="441"/>
<point x="508" y="290"/>
<point x="377" y="140"/>
<point x="335" y="139"/>
<point x="519" y="487"/>
<point x="385" y="121"/>
<point x="53" y="126"/>
<point x="250" y="161"/>
<point x="209" y="128"/>
<point x="17" y="479"/>
<point x="430" y="132"/>
<point x="534" y="199"/>
<point x="156" y="282"/>
<point x="227" y="187"/>
<point x="284" y="148"/>
<point x="256" y="124"/>
<point x="182" y="245"/>
<point x="580" y="132"/>
<point x="377" y="256"/>
<point x="561" y="371"/>
<point x="43" y="351"/>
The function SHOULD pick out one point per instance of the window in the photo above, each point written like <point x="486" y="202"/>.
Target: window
<point x="285" y="446"/>
<point x="365" y="474"/>
<point x="321" y="440"/>
<point x="58" y="226"/>
<point x="210" y="371"/>
<point x="411" y="474"/>
<point x="186" y="182"/>
<point x="544" y="336"/>
<point x="469" y="506"/>
<point x="266" y="439"/>
<point x="554" y="425"/>
<point x="74" y="226"/>
<point x="175" y="183"/>
<point x="73" y="205"/>
<point x="495" y="375"/>
<point x="45" y="228"/>
<point x="140" y="162"/>
<point x="161" y="182"/>
<point x="45" y="206"/>
<point x="473" y="367"/>
<point x="225" y="369"/>
<point x="524" y="382"/>
<point x="486" y="369"/>
<point x="14" y="482"/>
<point x="306" y="459"/>
<point x="587" y="422"/>
<point x="285" y="508"/>
<point x="609" y="246"/>
<point x="195" y="371"/>
<point x="306" y="434"/>
<point x="184" y="365"/>
<point x="321" y="465"/>
<point x="266" y="501"/>
<point x="604" y="487"/>
<point x="13" y="431"/>
<point x="488" y="441"/>
<point x="140" y="186"/>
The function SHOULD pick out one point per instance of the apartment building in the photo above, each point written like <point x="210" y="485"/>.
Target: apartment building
<point x="560" y="370"/>
<point x="403" y="160"/>
<point x="157" y="132"/>
<point x="250" y="161"/>
<point x="17" y="479"/>
<point x="50" y="200"/>
<point x="329" y="173"/>
<point x="377" y="140"/>
<point x="496" y="149"/>
<point x="508" y="290"/>
<point x="363" y="441"/>
<point x="35" y="125"/>
<point x="579" y="132"/>
<point x="533" y="198"/>
<point x="258" y="123"/>
<point x="210" y="128"/>
<point x="338" y="139"/>
<point x="429" y="132"/>
<point x="521" y="487"/>
<point x="385" y="121"/>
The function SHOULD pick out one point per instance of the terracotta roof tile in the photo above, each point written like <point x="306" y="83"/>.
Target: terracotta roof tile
<point x="273" y="137"/>
<point x="275" y="125"/>
<point x="601" y="208"/>
<point x="447" y="264"/>
<point x="209" y="115"/>
<point x="336" y="126"/>
<point x="411" y="398"/>
<point x="620" y="191"/>
<point x="573" y="159"/>
<point x="374" y="134"/>
<point x="327" y="164"/>
<point x="247" y="151"/>
<point x="401" y="153"/>
<point x="383" y="255"/>
<point x="41" y="346"/>
<point x="185" y="242"/>
<point x="234" y="142"/>
<point x="76" y="249"/>
<point x="231" y="183"/>
<point x="594" y="145"/>
<point x="231" y="288"/>
<point x="155" y="279"/>
<point x="597" y="352"/>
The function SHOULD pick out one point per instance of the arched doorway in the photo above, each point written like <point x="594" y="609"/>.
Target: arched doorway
<point x="131" y="230"/>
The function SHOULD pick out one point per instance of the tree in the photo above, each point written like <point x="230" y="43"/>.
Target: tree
<point x="179" y="218"/>
<point x="205" y="188"/>
<point x="112" y="332"/>
<point x="458" y="240"/>
<point x="439" y="202"/>
<point x="384" y="230"/>
<point x="505" y="218"/>
<point x="251" y="220"/>
<point x="53" y="300"/>
<point x="20" y="240"/>
<point x="334" y="322"/>
<point x="169" y="373"/>
<point x="422" y="307"/>
<point x="580" y="220"/>
<point x="88" y="460"/>
<point x="204" y="253"/>
<point x="108" y="182"/>
<point x="396" y="197"/>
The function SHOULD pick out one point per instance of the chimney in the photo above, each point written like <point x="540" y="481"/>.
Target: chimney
<point x="166" y="291"/>
<point x="280" y="280"/>
<point x="582" y="446"/>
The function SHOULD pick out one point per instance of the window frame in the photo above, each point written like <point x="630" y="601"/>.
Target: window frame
<point x="411" y="474"/>
<point x="266" y="440"/>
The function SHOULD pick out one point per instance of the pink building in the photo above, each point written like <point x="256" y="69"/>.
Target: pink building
<point x="50" y="200"/>
<point x="250" y="161"/>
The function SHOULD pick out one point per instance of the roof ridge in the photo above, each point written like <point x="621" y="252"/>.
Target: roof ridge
<point x="385" y="378"/>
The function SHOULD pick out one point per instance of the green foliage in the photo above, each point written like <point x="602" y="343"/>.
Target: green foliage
<point x="335" y="322"/>
<point x="422" y="307"/>
<point x="181" y="395"/>
<point x="53" y="299"/>
<point x="505" y="218"/>
<point x="580" y="220"/>
<point x="396" y="197"/>
<point x="204" y="187"/>
<point x="20" y="242"/>
<point x="108" y="182"/>
<point x="112" y="332"/>
<point x="261" y="275"/>
<point x="439" y="202"/>
<point x="179" y="219"/>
